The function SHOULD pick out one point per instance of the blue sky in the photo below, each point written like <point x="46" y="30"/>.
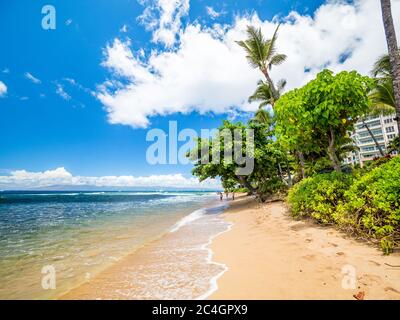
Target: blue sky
<point x="51" y="115"/>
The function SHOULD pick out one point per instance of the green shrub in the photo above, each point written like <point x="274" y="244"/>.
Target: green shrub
<point x="319" y="195"/>
<point x="366" y="202"/>
<point x="373" y="204"/>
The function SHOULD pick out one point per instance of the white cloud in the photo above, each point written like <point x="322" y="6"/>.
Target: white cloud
<point x="32" y="78"/>
<point x="3" y="89"/>
<point x="124" y="28"/>
<point x="61" y="92"/>
<point x="60" y="176"/>
<point x="68" y="22"/>
<point x="207" y="71"/>
<point x="212" y="13"/>
<point x="163" y="17"/>
<point x="6" y="70"/>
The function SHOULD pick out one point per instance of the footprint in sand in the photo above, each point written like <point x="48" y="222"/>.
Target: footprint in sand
<point x="374" y="262"/>
<point x="392" y="289"/>
<point x="340" y="253"/>
<point x="309" y="240"/>
<point x="299" y="226"/>
<point x="309" y="257"/>
<point x="333" y="244"/>
<point x="370" y="278"/>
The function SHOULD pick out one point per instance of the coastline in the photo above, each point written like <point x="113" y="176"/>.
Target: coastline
<point x="176" y="265"/>
<point x="269" y="255"/>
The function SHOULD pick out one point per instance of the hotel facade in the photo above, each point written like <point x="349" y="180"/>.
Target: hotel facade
<point x="384" y="128"/>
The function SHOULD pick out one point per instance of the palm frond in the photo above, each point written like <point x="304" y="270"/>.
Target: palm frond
<point x="382" y="98"/>
<point x="277" y="60"/>
<point x="270" y="46"/>
<point x="382" y="67"/>
<point x="281" y="85"/>
<point x="262" y="94"/>
<point x="263" y="116"/>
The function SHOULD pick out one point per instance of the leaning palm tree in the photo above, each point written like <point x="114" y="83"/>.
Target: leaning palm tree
<point x="394" y="55"/>
<point x="261" y="54"/>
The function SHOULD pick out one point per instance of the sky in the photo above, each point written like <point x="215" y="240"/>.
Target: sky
<point x="77" y="101"/>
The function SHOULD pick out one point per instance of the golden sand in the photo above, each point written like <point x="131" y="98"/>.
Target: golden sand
<point x="272" y="256"/>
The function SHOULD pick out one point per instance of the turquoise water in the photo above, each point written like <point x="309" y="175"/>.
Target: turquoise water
<point x="79" y="233"/>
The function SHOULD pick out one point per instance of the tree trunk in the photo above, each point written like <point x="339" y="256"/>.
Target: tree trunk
<point x="244" y="182"/>
<point x="288" y="172"/>
<point x="274" y="92"/>
<point x="373" y="138"/>
<point x="300" y="155"/>
<point x="393" y="54"/>
<point x="332" y="151"/>
<point x="280" y="171"/>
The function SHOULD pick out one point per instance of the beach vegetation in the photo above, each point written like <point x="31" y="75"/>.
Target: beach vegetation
<point x="365" y="203"/>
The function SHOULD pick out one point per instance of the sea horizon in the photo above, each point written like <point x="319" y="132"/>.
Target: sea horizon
<point x="83" y="233"/>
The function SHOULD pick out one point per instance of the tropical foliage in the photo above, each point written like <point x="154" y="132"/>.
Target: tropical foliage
<point x="366" y="203"/>
<point x="303" y="138"/>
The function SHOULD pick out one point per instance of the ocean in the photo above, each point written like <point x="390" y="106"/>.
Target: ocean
<point x="109" y="245"/>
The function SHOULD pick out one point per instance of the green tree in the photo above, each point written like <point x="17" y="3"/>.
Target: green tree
<point x="265" y="176"/>
<point x="317" y="118"/>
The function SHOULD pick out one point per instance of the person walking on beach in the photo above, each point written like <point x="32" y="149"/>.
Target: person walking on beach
<point x="220" y="196"/>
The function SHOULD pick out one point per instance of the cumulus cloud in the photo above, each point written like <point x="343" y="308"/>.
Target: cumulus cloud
<point x="207" y="71"/>
<point x="60" y="176"/>
<point x="32" y="78"/>
<point x="163" y="17"/>
<point x="3" y="89"/>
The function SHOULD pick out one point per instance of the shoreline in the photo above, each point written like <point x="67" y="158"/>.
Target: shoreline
<point x="269" y="255"/>
<point x="135" y="275"/>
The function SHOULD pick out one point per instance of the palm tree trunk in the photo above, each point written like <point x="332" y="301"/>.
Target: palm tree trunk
<point x="373" y="138"/>
<point x="393" y="54"/>
<point x="275" y="94"/>
<point x="332" y="151"/>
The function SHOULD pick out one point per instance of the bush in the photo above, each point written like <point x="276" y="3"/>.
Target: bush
<point x="373" y="204"/>
<point x="367" y="202"/>
<point x="318" y="196"/>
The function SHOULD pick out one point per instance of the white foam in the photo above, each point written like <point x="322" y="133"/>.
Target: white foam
<point x="213" y="280"/>
<point x="197" y="214"/>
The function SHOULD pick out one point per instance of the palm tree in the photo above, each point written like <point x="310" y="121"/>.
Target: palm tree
<point x="394" y="145"/>
<point x="394" y="55"/>
<point x="261" y="54"/>
<point x="382" y="95"/>
<point x="264" y="95"/>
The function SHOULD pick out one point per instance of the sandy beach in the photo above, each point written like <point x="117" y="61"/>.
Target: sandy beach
<point x="271" y="256"/>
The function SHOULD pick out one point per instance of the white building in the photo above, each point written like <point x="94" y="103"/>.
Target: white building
<point x="384" y="128"/>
